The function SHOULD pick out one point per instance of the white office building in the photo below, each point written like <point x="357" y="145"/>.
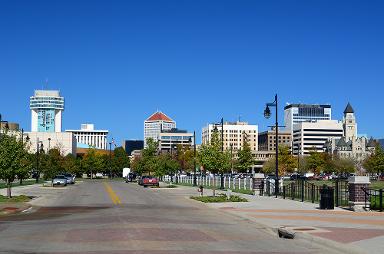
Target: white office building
<point x="155" y="124"/>
<point x="63" y="141"/>
<point x="297" y="113"/>
<point x="311" y="136"/>
<point x="87" y="137"/>
<point x="170" y="139"/>
<point x="235" y="133"/>
<point x="46" y="111"/>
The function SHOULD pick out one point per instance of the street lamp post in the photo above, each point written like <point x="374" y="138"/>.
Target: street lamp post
<point x="49" y="144"/>
<point x="267" y="114"/>
<point x="231" y="159"/>
<point x="110" y="160"/>
<point x="194" y="159"/>
<point x="39" y="148"/>
<point x="222" y="151"/>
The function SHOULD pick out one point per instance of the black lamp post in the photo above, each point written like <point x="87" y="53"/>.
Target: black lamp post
<point x="49" y="144"/>
<point x="194" y="159"/>
<point x="267" y="114"/>
<point x="110" y="160"/>
<point x="222" y="150"/>
<point x="39" y="148"/>
<point x="231" y="159"/>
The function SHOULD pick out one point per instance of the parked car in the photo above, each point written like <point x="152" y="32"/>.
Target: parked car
<point x="70" y="178"/>
<point x="298" y="177"/>
<point x="148" y="181"/>
<point x="59" y="180"/>
<point x="130" y="177"/>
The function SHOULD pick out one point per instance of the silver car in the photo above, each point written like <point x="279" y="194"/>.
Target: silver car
<point x="70" y="178"/>
<point x="59" y="180"/>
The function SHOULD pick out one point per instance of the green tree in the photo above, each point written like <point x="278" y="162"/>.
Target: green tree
<point x="316" y="162"/>
<point x="287" y="162"/>
<point x="13" y="156"/>
<point x="185" y="157"/>
<point x="71" y="165"/>
<point x="244" y="158"/>
<point x="93" y="162"/>
<point x="375" y="162"/>
<point x="120" y="160"/>
<point x="212" y="158"/>
<point x="344" y="165"/>
<point x="52" y="164"/>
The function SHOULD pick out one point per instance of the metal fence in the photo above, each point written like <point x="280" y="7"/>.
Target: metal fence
<point x="229" y="182"/>
<point x="374" y="199"/>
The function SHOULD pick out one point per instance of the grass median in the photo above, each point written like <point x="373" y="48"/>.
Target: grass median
<point x="221" y="198"/>
<point x="14" y="199"/>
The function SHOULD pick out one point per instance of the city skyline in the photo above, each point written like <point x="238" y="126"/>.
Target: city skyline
<point x="197" y="62"/>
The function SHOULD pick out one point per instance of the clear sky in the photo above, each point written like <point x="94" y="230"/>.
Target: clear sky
<point x="116" y="62"/>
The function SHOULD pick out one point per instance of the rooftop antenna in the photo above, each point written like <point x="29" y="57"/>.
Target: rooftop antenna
<point x="239" y="118"/>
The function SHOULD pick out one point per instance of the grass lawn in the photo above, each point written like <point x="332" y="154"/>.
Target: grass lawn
<point x="219" y="199"/>
<point x="14" y="199"/>
<point x="16" y="183"/>
<point x="377" y="185"/>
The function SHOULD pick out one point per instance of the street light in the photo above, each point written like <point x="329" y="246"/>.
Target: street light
<point x="110" y="160"/>
<point x="49" y="144"/>
<point x="267" y="114"/>
<point x="1" y="126"/>
<point x="38" y="150"/>
<point x="194" y="159"/>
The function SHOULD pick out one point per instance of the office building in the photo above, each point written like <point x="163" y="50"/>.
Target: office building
<point x="155" y="124"/>
<point x="235" y="133"/>
<point x="87" y="137"/>
<point x="64" y="141"/>
<point x="267" y="139"/>
<point x="297" y="113"/>
<point x="131" y="145"/>
<point x="46" y="111"/>
<point x="312" y="136"/>
<point x="170" y="139"/>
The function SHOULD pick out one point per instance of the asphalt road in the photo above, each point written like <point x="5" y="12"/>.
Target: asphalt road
<point x="116" y="217"/>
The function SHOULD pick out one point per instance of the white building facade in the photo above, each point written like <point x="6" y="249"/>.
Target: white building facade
<point x="169" y="140"/>
<point x="312" y="136"/>
<point x="46" y="111"/>
<point x="87" y="136"/>
<point x="234" y="135"/>
<point x="65" y="142"/>
<point x="155" y="124"/>
<point x="297" y="113"/>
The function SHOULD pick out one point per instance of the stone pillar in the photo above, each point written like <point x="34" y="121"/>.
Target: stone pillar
<point x="356" y="194"/>
<point x="258" y="184"/>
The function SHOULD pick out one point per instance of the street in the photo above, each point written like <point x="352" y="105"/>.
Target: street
<point x="104" y="216"/>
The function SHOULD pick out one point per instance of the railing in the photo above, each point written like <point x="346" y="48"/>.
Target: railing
<point x="301" y="190"/>
<point x="373" y="199"/>
<point x="236" y="184"/>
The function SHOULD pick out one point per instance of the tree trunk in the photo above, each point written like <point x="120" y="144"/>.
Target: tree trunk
<point x="214" y="186"/>
<point x="21" y="181"/>
<point x="9" y="194"/>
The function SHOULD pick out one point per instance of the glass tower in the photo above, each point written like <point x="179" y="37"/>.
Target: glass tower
<point x="46" y="111"/>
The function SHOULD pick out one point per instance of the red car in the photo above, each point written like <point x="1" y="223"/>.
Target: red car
<point x="149" y="181"/>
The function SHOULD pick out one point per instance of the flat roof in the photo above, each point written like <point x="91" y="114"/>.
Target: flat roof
<point x="302" y="105"/>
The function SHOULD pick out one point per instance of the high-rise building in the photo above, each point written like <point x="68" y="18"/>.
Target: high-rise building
<point x="267" y="139"/>
<point x="131" y="145"/>
<point x="87" y="137"/>
<point x="46" y="111"/>
<point x="312" y="136"/>
<point x="156" y="123"/>
<point x="297" y="113"/>
<point x="235" y="134"/>
<point x="170" y="139"/>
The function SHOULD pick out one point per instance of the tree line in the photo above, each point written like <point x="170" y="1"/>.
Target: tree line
<point x="17" y="163"/>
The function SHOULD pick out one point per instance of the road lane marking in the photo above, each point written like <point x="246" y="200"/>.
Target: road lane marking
<point x="115" y="199"/>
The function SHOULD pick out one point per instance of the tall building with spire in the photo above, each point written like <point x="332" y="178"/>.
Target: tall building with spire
<point x="155" y="124"/>
<point x="46" y="111"/>
<point x="349" y="123"/>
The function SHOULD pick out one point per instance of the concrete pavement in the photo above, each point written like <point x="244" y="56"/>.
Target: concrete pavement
<point x="115" y="217"/>
<point x="361" y="232"/>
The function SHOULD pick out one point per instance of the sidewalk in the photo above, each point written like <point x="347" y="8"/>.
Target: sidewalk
<point x="360" y="232"/>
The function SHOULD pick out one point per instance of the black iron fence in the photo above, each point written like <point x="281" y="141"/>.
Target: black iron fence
<point x="374" y="199"/>
<point x="306" y="191"/>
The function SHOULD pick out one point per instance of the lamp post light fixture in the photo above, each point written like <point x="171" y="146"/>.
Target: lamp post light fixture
<point x="222" y="151"/>
<point x="39" y="148"/>
<point x="1" y="126"/>
<point x="267" y="114"/>
<point x="110" y="160"/>
<point x="194" y="159"/>
<point x="49" y="144"/>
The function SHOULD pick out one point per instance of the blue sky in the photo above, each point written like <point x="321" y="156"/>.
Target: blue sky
<point x="116" y="62"/>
